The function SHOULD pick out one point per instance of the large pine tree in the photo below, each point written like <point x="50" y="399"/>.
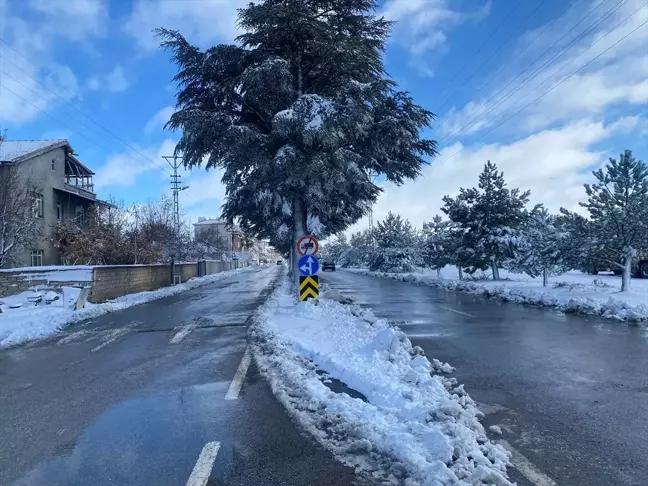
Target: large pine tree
<point x="298" y="114"/>
<point x="490" y="216"/>
<point x="618" y="209"/>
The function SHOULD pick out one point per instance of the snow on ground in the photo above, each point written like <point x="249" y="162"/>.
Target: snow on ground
<point x="416" y="427"/>
<point x="572" y="292"/>
<point x="36" y="321"/>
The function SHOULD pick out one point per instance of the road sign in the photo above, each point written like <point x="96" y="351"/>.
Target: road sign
<point x="307" y="245"/>
<point x="308" y="265"/>
<point x="308" y="287"/>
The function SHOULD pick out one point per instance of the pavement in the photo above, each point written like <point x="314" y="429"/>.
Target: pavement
<point x="570" y="393"/>
<point x="157" y="394"/>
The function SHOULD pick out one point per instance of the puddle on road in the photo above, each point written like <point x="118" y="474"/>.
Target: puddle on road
<point x="337" y="386"/>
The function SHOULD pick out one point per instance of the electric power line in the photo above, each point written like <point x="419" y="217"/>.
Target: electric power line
<point x="533" y="75"/>
<point x="549" y="90"/>
<point x="491" y="56"/>
<point x="69" y="103"/>
<point x="480" y="47"/>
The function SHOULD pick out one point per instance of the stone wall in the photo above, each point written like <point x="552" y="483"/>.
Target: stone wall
<point x="113" y="281"/>
<point x="109" y="281"/>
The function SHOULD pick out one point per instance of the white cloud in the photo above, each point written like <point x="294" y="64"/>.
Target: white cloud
<point x="422" y="25"/>
<point x="124" y="169"/>
<point x="28" y="87"/>
<point x="115" y="81"/>
<point x="616" y="78"/>
<point x="159" y="119"/>
<point x="553" y="164"/>
<point x="201" y="22"/>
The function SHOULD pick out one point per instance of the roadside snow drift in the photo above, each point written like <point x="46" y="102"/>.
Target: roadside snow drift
<point x="39" y="321"/>
<point x="415" y="427"/>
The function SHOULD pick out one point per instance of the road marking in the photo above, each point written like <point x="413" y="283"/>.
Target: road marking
<point x="113" y="336"/>
<point x="180" y="335"/>
<point x="453" y="310"/>
<point x="204" y="464"/>
<point x="239" y="376"/>
<point x="526" y="467"/>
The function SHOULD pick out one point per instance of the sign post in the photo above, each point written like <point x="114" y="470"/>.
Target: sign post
<point x="308" y="266"/>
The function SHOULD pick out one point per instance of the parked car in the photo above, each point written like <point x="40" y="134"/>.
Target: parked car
<point x="279" y="262"/>
<point x="328" y="266"/>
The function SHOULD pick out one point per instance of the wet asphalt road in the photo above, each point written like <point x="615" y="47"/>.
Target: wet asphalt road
<point x="569" y="392"/>
<point x="113" y="402"/>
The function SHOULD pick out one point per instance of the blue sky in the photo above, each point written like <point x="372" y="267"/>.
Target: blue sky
<point x="90" y="71"/>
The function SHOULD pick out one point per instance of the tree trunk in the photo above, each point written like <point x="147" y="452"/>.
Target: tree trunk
<point x="460" y="272"/>
<point x="438" y="272"/>
<point x="299" y="216"/>
<point x="495" y="269"/>
<point x="545" y="277"/>
<point x="627" y="274"/>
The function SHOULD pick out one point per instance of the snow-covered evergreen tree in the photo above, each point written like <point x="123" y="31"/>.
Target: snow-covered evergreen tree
<point x="362" y="246"/>
<point x="489" y="217"/>
<point x="396" y="245"/>
<point x="618" y="210"/>
<point x="298" y="114"/>
<point x="437" y="248"/>
<point x="336" y="250"/>
<point x="538" y="247"/>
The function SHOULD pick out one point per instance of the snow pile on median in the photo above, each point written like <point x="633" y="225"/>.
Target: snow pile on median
<point x="416" y="427"/>
<point x="574" y="294"/>
<point x="39" y="321"/>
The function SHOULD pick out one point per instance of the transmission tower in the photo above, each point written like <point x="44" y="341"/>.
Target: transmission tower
<point x="175" y="163"/>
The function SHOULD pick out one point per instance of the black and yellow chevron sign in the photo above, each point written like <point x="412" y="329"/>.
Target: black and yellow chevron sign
<point x="309" y="287"/>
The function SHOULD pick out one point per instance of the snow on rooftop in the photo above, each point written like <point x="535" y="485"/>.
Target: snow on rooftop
<point x="11" y="150"/>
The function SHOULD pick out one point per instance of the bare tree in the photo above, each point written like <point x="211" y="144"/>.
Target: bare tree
<point x="18" y="226"/>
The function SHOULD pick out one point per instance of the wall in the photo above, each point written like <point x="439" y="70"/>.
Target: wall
<point x="110" y="281"/>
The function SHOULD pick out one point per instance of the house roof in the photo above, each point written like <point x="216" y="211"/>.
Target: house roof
<point x="18" y="150"/>
<point x="210" y="222"/>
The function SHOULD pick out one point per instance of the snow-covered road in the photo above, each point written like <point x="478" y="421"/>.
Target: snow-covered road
<point x="570" y="393"/>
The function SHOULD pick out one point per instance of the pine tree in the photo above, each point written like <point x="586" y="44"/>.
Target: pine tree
<point x="437" y="249"/>
<point x="538" y="247"/>
<point x="489" y="217"/>
<point x="337" y="250"/>
<point x="396" y="245"/>
<point x="362" y="246"/>
<point x="618" y="209"/>
<point x="298" y="114"/>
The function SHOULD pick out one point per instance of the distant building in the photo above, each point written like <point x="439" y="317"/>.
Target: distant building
<point x="230" y="237"/>
<point x="64" y="189"/>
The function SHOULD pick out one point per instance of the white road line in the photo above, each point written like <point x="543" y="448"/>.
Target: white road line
<point x="204" y="464"/>
<point x="239" y="376"/>
<point x="526" y="467"/>
<point x="453" y="310"/>
<point x="113" y="336"/>
<point x="180" y="335"/>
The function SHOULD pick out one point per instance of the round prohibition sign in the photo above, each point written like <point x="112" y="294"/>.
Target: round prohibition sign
<point x="307" y="245"/>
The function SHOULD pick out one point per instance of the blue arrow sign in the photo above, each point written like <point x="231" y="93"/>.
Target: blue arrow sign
<point x="308" y="265"/>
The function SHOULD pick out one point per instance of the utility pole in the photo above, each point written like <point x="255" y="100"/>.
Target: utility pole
<point x="176" y="187"/>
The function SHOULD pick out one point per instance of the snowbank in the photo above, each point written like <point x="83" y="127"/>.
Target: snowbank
<point x="415" y="427"/>
<point x="572" y="292"/>
<point x="39" y="321"/>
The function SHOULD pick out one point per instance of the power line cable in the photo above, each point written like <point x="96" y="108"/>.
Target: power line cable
<point x="477" y="118"/>
<point x="59" y="121"/>
<point x="443" y="160"/>
<point x="72" y="105"/>
<point x="480" y="48"/>
<point x="491" y="56"/>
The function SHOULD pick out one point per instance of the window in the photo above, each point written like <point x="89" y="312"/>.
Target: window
<point x="79" y="215"/>
<point x="36" y="258"/>
<point x="38" y="205"/>
<point x="53" y="164"/>
<point x="58" y="211"/>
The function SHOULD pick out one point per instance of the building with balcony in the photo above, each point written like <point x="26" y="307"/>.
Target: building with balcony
<point x="228" y="237"/>
<point x="64" y="189"/>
